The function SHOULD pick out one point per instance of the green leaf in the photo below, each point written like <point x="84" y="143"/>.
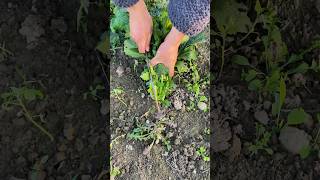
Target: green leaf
<point x="250" y="75"/>
<point x="145" y="75"/>
<point x="297" y="116"/>
<point x="231" y="17"/>
<point x="203" y="99"/>
<point x="161" y="69"/>
<point x="131" y="49"/>
<point x="305" y="151"/>
<point x="255" y="85"/>
<point x="302" y="68"/>
<point x="258" y="7"/>
<point x="103" y="45"/>
<point x="182" y="67"/>
<point x="206" y="158"/>
<point x="241" y="60"/>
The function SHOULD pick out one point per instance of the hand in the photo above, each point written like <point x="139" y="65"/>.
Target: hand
<point x="140" y="23"/>
<point x="167" y="53"/>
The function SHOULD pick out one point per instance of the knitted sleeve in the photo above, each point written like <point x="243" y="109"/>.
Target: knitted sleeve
<point x="188" y="16"/>
<point x="125" y="3"/>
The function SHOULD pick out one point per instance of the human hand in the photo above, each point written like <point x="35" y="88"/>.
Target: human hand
<point x="140" y="23"/>
<point x="167" y="53"/>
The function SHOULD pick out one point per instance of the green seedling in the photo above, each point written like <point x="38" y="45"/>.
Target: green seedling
<point x="150" y="132"/>
<point x="118" y="93"/>
<point x="4" y="53"/>
<point x="202" y="152"/>
<point x="20" y="97"/>
<point x="261" y="143"/>
<point x="159" y="84"/>
<point x="207" y="131"/>
<point x="93" y="92"/>
<point x="114" y="170"/>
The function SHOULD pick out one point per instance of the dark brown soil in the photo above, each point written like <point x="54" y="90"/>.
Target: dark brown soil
<point x="63" y="65"/>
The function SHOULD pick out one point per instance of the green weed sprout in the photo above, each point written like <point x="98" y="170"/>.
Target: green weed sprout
<point x="93" y="92"/>
<point x="202" y="153"/>
<point x="20" y="97"/>
<point x="116" y="93"/>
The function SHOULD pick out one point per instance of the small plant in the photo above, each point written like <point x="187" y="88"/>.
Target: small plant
<point x="114" y="170"/>
<point x="83" y="12"/>
<point x="4" y="53"/>
<point x="117" y="93"/>
<point x="93" y="92"/>
<point x="20" y="97"/>
<point x="153" y="132"/>
<point x="160" y="85"/>
<point x="202" y="152"/>
<point x="261" y="143"/>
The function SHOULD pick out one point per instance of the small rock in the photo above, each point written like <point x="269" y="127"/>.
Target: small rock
<point x="69" y="132"/>
<point x="267" y="105"/>
<point x="177" y="141"/>
<point x="143" y="95"/>
<point x="294" y="139"/>
<point x="202" y="106"/>
<point x="129" y="147"/>
<point x="85" y="177"/>
<point x="19" y="122"/>
<point x="246" y="105"/>
<point x="31" y="28"/>
<point x="262" y="117"/>
<point x="177" y="103"/>
<point x="120" y="71"/>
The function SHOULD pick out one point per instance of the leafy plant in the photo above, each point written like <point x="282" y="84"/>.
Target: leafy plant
<point x="117" y="92"/>
<point x="153" y="132"/>
<point x="93" y="92"/>
<point x="202" y="152"/>
<point x="297" y="116"/>
<point x="262" y="139"/>
<point x="20" y="97"/>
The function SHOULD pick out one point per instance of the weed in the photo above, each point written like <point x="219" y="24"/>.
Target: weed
<point x="4" y="53"/>
<point x="93" y="92"/>
<point x="261" y="143"/>
<point x="20" y="97"/>
<point x="153" y="132"/>
<point x="117" y="93"/>
<point x="202" y="152"/>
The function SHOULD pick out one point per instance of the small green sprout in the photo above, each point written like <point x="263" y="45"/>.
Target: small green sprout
<point x="202" y="153"/>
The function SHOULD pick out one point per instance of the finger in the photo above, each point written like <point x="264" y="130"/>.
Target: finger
<point x="154" y="61"/>
<point x="171" y="72"/>
<point x="148" y="42"/>
<point x="141" y="47"/>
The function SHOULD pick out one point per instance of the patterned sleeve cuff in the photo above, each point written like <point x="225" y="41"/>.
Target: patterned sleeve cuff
<point x="125" y="3"/>
<point x="189" y="17"/>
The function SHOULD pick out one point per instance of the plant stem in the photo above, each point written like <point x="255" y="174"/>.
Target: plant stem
<point x="29" y="117"/>
<point x="222" y="55"/>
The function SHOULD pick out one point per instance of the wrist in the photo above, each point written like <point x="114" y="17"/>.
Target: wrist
<point x="175" y="37"/>
<point x="140" y="6"/>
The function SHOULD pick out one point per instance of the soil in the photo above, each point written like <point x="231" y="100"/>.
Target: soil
<point x="185" y="129"/>
<point x="48" y="54"/>
<point x="235" y="110"/>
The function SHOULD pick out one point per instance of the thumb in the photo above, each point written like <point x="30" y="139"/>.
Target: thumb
<point x="154" y="61"/>
<point x="171" y="72"/>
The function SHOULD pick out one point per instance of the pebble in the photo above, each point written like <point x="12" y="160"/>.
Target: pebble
<point x="177" y="103"/>
<point x="262" y="117"/>
<point x="202" y="106"/>
<point x="120" y="71"/>
<point x="294" y="139"/>
<point x="267" y="105"/>
<point x="129" y="147"/>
